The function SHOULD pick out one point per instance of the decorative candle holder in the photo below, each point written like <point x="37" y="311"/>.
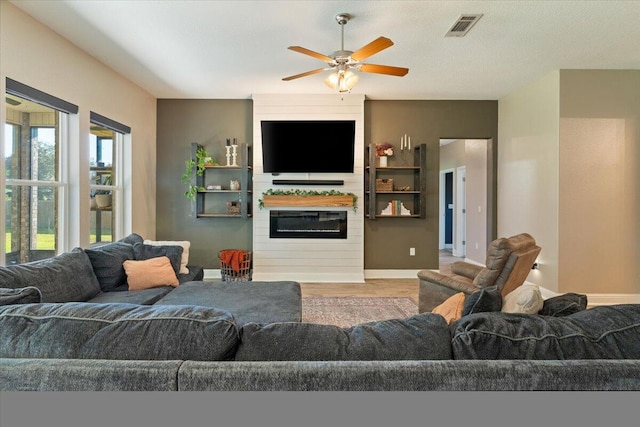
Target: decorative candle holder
<point x="228" y="147"/>
<point x="234" y="154"/>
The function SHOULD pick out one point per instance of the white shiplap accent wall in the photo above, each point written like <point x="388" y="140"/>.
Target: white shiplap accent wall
<point x="309" y="260"/>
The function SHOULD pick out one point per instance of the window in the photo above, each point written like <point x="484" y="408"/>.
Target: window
<point x="105" y="175"/>
<point x="34" y="196"/>
<point x="33" y="192"/>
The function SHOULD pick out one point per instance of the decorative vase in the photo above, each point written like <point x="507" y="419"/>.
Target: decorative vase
<point x="383" y="161"/>
<point x="103" y="200"/>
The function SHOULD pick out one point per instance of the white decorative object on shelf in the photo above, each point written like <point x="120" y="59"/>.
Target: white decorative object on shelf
<point x="234" y="154"/>
<point x="395" y="208"/>
<point x="228" y="147"/>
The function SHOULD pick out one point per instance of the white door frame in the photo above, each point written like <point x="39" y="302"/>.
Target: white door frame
<point x="441" y="244"/>
<point x="459" y="212"/>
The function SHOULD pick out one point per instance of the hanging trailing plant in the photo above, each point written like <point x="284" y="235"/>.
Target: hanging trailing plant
<point x="200" y="163"/>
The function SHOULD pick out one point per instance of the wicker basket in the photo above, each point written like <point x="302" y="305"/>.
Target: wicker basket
<point x="233" y="208"/>
<point x="228" y="274"/>
<point x="384" y="184"/>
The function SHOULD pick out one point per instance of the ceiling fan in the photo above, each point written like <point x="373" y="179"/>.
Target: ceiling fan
<point x="342" y="62"/>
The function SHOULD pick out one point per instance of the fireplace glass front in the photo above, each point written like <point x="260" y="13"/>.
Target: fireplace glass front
<point x="308" y="224"/>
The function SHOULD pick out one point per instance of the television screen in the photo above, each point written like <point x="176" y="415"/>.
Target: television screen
<point x="308" y="145"/>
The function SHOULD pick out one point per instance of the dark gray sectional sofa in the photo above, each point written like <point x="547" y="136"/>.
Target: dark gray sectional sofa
<point x="92" y="342"/>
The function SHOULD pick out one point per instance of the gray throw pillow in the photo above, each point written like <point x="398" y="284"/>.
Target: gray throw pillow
<point x="605" y="332"/>
<point x="28" y="295"/>
<point x="107" y="263"/>
<point x="486" y="299"/>
<point x="116" y="331"/>
<point x="563" y="305"/>
<point x="142" y="252"/>
<point x="65" y="277"/>
<point x="421" y="337"/>
<point x="131" y="239"/>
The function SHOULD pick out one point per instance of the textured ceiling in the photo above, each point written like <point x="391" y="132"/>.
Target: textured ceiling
<point x="233" y="49"/>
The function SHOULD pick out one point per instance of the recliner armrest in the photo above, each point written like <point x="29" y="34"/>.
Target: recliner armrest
<point x="466" y="269"/>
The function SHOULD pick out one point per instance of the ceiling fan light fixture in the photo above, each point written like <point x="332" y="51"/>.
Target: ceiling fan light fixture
<point x="342" y="81"/>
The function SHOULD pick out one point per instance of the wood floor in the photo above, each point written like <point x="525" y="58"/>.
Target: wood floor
<point x="373" y="287"/>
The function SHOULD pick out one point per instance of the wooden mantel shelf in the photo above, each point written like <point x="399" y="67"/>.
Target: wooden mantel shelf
<point x="274" y="200"/>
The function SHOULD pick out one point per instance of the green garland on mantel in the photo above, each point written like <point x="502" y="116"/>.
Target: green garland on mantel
<point x="305" y="193"/>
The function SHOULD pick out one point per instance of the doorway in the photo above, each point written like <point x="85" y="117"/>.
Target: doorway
<point x="465" y="199"/>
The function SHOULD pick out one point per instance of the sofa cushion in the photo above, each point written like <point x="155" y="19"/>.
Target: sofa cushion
<point x="525" y="299"/>
<point x="451" y="308"/>
<point x="185" y="250"/>
<point x="132" y="239"/>
<point x="421" y="337"/>
<point x="144" y="296"/>
<point x="107" y="263"/>
<point x="143" y="252"/>
<point x="563" y="305"/>
<point x="150" y="273"/>
<point x="486" y="299"/>
<point x="27" y="295"/>
<point x="116" y="331"/>
<point x="62" y="278"/>
<point x="605" y="332"/>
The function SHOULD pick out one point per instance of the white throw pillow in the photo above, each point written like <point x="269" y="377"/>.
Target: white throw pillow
<point x="185" y="253"/>
<point x="525" y="299"/>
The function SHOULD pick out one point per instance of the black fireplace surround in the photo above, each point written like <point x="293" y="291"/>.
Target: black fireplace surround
<point x="308" y="224"/>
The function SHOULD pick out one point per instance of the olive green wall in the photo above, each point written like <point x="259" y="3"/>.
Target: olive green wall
<point x="387" y="241"/>
<point x="210" y="123"/>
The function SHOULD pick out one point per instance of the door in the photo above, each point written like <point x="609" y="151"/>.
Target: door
<point x="448" y="211"/>
<point x="460" y="247"/>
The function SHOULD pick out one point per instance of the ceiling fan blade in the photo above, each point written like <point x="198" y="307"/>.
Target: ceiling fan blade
<point x="308" y="73"/>
<point x="383" y="69"/>
<point x="372" y="48"/>
<point x="306" y="51"/>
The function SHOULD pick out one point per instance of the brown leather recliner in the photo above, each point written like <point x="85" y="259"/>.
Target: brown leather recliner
<point x="509" y="261"/>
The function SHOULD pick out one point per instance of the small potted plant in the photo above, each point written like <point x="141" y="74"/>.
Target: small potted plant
<point x="202" y="160"/>
<point x="103" y="197"/>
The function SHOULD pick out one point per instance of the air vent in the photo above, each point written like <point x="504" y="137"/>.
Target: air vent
<point x="462" y="26"/>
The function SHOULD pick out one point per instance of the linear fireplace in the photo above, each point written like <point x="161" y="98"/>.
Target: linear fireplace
<point x="308" y="224"/>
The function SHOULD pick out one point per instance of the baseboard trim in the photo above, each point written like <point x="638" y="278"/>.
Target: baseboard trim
<point x="610" y="299"/>
<point x="391" y="274"/>
<point x="212" y="274"/>
<point x="596" y="299"/>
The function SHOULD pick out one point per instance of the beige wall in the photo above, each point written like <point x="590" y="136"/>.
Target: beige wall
<point x="34" y="55"/>
<point x="528" y="171"/>
<point x="599" y="209"/>
<point x="568" y="174"/>
<point x="473" y="155"/>
<point x="476" y="199"/>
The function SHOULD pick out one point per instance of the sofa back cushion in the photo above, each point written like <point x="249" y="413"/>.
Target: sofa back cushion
<point x="116" y="331"/>
<point x="421" y="337"/>
<point x="142" y="252"/>
<point x="605" y="332"/>
<point x="65" y="277"/>
<point x="28" y="295"/>
<point x="107" y="261"/>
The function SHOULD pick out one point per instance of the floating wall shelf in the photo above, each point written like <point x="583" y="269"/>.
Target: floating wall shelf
<point x="275" y="200"/>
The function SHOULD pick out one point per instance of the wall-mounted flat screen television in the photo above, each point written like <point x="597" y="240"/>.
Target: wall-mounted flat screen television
<point x="308" y="146"/>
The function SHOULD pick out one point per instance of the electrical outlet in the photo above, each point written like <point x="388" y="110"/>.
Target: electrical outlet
<point x="412" y="251"/>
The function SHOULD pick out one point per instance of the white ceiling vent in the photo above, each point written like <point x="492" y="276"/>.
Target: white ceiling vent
<point x="462" y="26"/>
